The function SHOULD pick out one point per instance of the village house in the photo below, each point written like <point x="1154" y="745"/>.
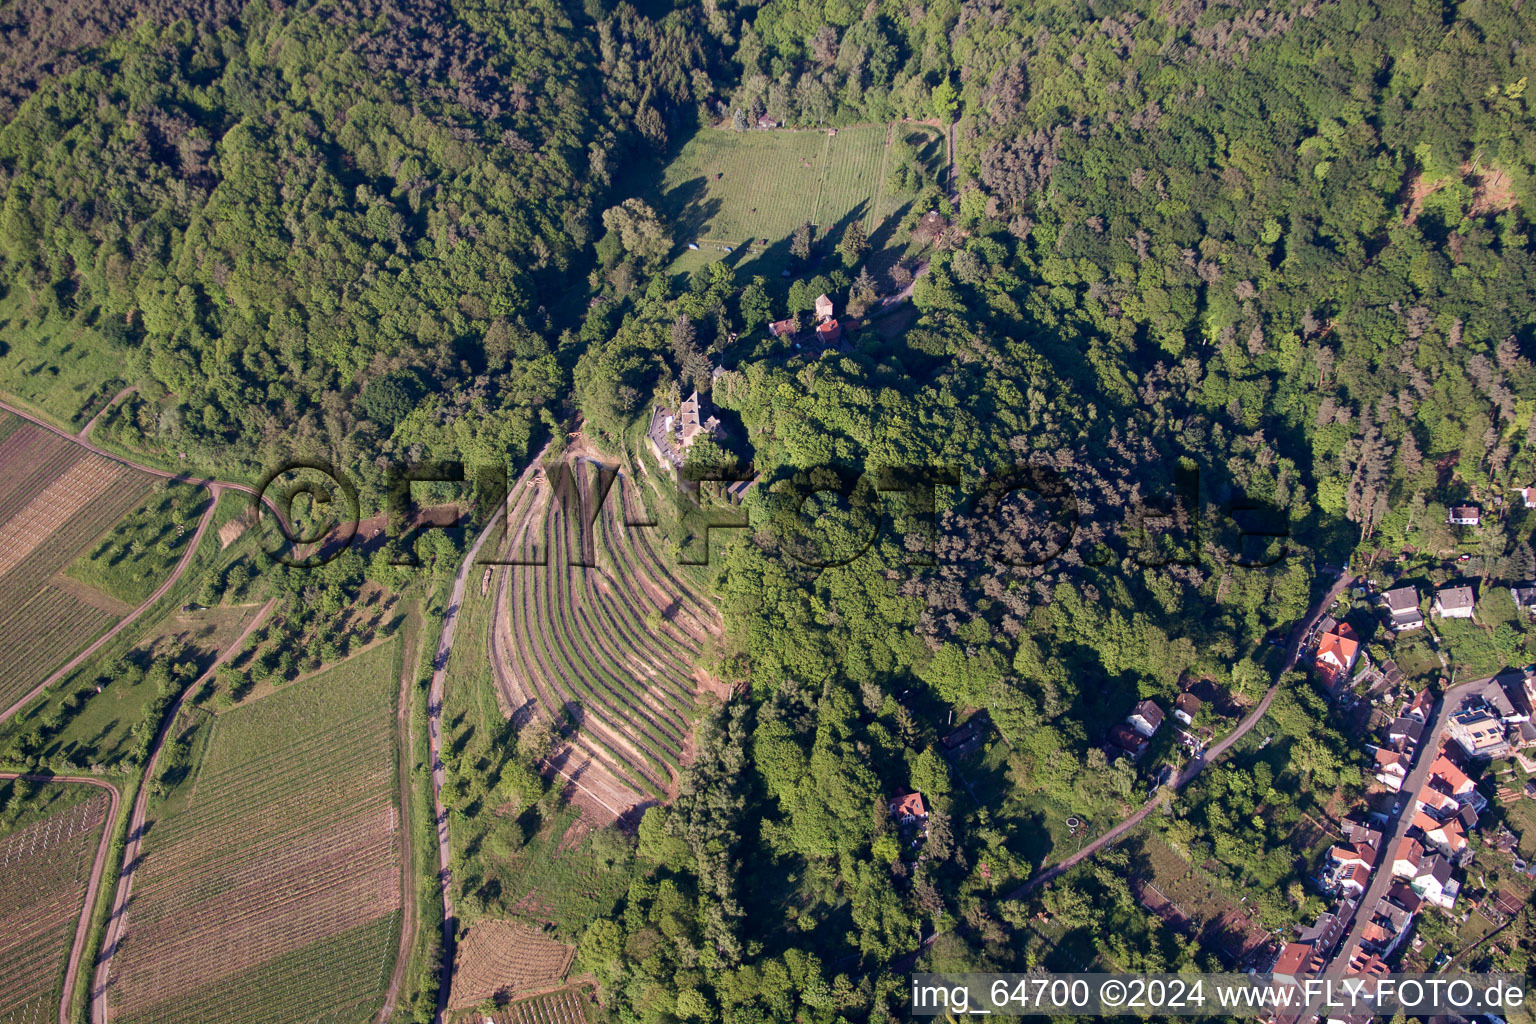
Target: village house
<point x="1403" y="606"/>
<point x="1407" y="858"/>
<point x="1419" y="707"/>
<point x="1391" y="768"/>
<point x="1492" y="718"/>
<point x="1447" y="837"/>
<point x="1434" y="882"/>
<point x="1525" y="597"/>
<point x="1528" y="496"/>
<point x="1360" y="833"/>
<point x="1404" y="733"/>
<point x="1349" y="870"/>
<point x="1337" y="651"/>
<point x="1464" y="515"/>
<point x="1454" y="602"/>
<point x="909" y="808"/>
<point x="828" y="332"/>
<point x="1185" y="707"/>
<point x="1146" y="718"/>
<point x="784" y="329"/>
<point x="1310" y="952"/>
<point x="765" y="122"/>
<point x="1386" y="926"/>
<point x="1128" y="740"/>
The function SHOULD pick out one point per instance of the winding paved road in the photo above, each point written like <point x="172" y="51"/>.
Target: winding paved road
<point x="1198" y="764"/>
<point x="132" y="851"/>
<point x="1190" y="770"/>
<point x="83" y="929"/>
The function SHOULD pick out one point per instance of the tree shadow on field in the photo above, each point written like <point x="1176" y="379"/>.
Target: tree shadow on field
<point x="690" y="208"/>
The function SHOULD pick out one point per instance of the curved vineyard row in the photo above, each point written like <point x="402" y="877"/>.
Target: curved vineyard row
<point x="610" y="647"/>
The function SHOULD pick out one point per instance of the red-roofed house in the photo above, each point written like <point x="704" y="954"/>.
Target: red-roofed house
<point x="1352" y="880"/>
<point x="1401" y="895"/>
<point x="909" y="808"/>
<point x="1420" y="707"/>
<point x="1368" y="964"/>
<point x="1405" y="862"/>
<point x="1456" y="781"/>
<point x="1337" y="651"/>
<point x="1297" y="958"/>
<point x="1391" y="768"/>
<point x="1449" y="837"/>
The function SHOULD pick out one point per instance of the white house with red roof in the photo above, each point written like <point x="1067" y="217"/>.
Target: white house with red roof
<point x="1337" y="651"/>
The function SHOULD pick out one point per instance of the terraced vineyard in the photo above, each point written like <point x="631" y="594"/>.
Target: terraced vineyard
<point x="499" y="959"/>
<point x="274" y="896"/>
<point x="55" y="499"/>
<point x="568" y="1006"/>
<point x="609" y="651"/>
<point x="44" y="869"/>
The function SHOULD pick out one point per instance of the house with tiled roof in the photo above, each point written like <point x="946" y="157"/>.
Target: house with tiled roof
<point x="1128" y="740"/>
<point x="1464" y="515"/>
<point x="908" y="808"/>
<point x="1524" y="595"/>
<point x="1448" y="837"/>
<point x="1407" y="858"/>
<point x="1454" y="602"/>
<point x="1337" y="651"/>
<point x="784" y="329"/>
<point x="1403" y="607"/>
<point x="1391" y="768"/>
<point x="1146" y="718"/>
<point x="1420" y="706"/>
<point x="1434" y="882"/>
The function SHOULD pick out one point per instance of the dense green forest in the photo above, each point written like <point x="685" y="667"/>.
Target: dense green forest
<point x="1224" y="271"/>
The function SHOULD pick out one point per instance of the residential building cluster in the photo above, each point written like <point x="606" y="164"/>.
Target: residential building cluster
<point x="1133" y="736"/>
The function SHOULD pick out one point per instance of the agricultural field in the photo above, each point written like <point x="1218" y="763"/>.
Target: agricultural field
<point x="565" y="876"/>
<point x="733" y="189"/>
<point x="58" y="367"/>
<point x="55" y="500"/>
<point x="45" y="866"/>
<point x="607" y="652"/>
<point x="129" y="562"/>
<point x="568" y="1006"/>
<point x="270" y="883"/>
<point x="500" y="959"/>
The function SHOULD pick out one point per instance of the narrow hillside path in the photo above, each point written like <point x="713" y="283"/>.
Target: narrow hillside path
<point x="435" y="741"/>
<point x="133" y="850"/>
<point x="1187" y="775"/>
<point x="435" y="731"/>
<point x="406" y="741"/>
<point x="1198" y="764"/>
<point x="83" y="929"/>
<point x="131" y="617"/>
<point x="85" y="431"/>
